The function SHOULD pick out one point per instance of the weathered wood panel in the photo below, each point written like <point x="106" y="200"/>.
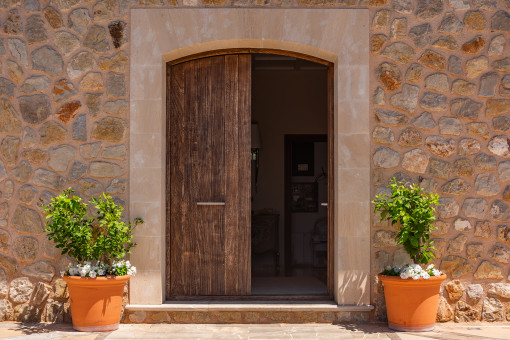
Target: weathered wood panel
<point x="209" y="161"/>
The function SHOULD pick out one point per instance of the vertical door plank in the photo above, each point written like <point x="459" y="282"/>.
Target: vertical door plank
<point x="232" y="244"/>
<point x="244" y="185"/>
<point x="178" y="198"/>
<point x="210" y="144"/>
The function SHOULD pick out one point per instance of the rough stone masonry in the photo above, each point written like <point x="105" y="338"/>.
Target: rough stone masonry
<point x="440" y="116"/>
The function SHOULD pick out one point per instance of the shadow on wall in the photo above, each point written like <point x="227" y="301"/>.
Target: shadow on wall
<point x="353" y="284"/>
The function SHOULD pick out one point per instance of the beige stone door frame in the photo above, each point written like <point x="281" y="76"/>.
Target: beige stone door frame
<point x="339" y="36"/>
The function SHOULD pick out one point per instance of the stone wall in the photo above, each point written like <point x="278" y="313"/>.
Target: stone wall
<point x="440" y="79"/>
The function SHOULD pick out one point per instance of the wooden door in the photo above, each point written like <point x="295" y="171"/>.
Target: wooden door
<point x="209" y="121"/>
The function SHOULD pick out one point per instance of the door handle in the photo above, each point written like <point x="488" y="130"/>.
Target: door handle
<point x="324" y="204"/>
<point x="210" y="203"/>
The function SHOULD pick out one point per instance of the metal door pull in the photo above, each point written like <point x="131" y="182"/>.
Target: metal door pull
<point x="210" y="203"/>
<point x="324" y="204"/>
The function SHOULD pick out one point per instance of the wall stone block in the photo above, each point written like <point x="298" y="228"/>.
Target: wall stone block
<point x="501" y="123"/>
<point x="465" y="313"/>
<point x="479" y="129"/>
<point x="474" y="293"/>
<point x="474" y="251"/>
<point x="20" y="290"/>
<point x="399" y="51"/>
<point x="499" y="210"/>
<point x="41" y="270"/>
<point x="456" y="186"/>
<point x="450" y="24"/>
<point x="455" y="266"/>
<point x="439" y="168"/>
<point x="97" y="39"/>
<point x="465" y="107"/>
<point x="52" y="132"/>
<point x="414" y="73"/>
<point x="35" y="108"/>
<point x="47" y="60"/>
<point x="450" y="126"/>
<point x="48" y="179"/>
<point x="66" y="42"/>
<point x="78" y="20"/>
<point x="493" y="310"/>
<point x="53" y="17"/>
<point x="473" y="46"/>
<point x="501" y="21"/>
<point x="407" y="99"/>
<point x="10" y="121"/>
<point x="441" y="146"/>
<point x="502" y="65"/>
<point x="463" y="87"/>
<point x="475" y="207"/>
<point x="391" y="117"/>
<point x="415" y="161"/>
<point x="487" y="271"/>
<point x="501" y="254"/>
<point x="476" y="66"/>
<point x="383" y="135"/>
<point x="448" y="43"/>
<point x="497" y="45"/>
<point x="385" y="157"/>
<point x="498" y="145"/>
<point x="424" y="121"/>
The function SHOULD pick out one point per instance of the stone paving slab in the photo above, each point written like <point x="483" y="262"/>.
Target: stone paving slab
<point x="254" y="332"/>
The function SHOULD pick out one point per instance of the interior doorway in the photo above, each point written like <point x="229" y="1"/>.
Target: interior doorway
<point x="289" y="176"/>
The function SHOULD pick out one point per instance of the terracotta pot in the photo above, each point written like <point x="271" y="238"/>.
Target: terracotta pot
<point x="96" y="302"/>
<point x="411" y="304"/>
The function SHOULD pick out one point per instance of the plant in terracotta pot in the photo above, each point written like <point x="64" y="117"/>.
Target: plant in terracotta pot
<point x="98" y="244"/>
<point x="411" y="291"/>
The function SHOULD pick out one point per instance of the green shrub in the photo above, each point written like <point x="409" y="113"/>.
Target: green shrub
<point x="104" y="239"/>
<point x="413" y="211"/>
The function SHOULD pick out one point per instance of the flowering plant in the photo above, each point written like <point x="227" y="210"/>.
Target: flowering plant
<point x="97" y="243"/>
<point x="414" y="271"/>
<point x="100" y="269"/>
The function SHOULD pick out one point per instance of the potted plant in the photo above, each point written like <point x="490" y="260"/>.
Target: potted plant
<point x="98" y="245"/>
<point x="411" y="292"/>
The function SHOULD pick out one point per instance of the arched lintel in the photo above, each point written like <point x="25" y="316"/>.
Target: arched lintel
<point x="221" y="47"/>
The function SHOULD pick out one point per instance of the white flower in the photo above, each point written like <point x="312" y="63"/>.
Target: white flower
<point x="92" y="274"/>
<point x="425" y="275"/>
<point x="436" y="272"/>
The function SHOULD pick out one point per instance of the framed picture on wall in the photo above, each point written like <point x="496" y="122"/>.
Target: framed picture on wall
<point x="302" y="158"/>
<point x="304" y="197"/>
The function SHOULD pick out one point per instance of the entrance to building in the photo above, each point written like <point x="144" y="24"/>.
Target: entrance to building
<point x="240" y="221"/>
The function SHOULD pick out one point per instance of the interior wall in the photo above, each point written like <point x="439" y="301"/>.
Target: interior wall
<point x="284" y="102"/>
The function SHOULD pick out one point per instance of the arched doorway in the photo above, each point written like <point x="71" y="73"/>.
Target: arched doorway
<point x="211" y="219"/>
<point x="340" y="36"/>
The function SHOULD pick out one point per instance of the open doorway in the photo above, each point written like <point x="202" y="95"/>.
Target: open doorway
<point x="289" y="192"/>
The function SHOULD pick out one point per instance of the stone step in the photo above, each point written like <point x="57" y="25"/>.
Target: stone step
<point x="247" y="312"/>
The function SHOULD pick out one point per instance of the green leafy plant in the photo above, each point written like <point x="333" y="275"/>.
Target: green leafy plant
<point x="413" y="211"/>
<point x="104" y="239"/>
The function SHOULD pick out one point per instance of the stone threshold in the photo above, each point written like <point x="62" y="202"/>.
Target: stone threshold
<point x="252" y="306"/>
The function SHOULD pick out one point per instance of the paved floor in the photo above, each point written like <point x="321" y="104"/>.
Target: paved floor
<point x="261" y="332"/>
